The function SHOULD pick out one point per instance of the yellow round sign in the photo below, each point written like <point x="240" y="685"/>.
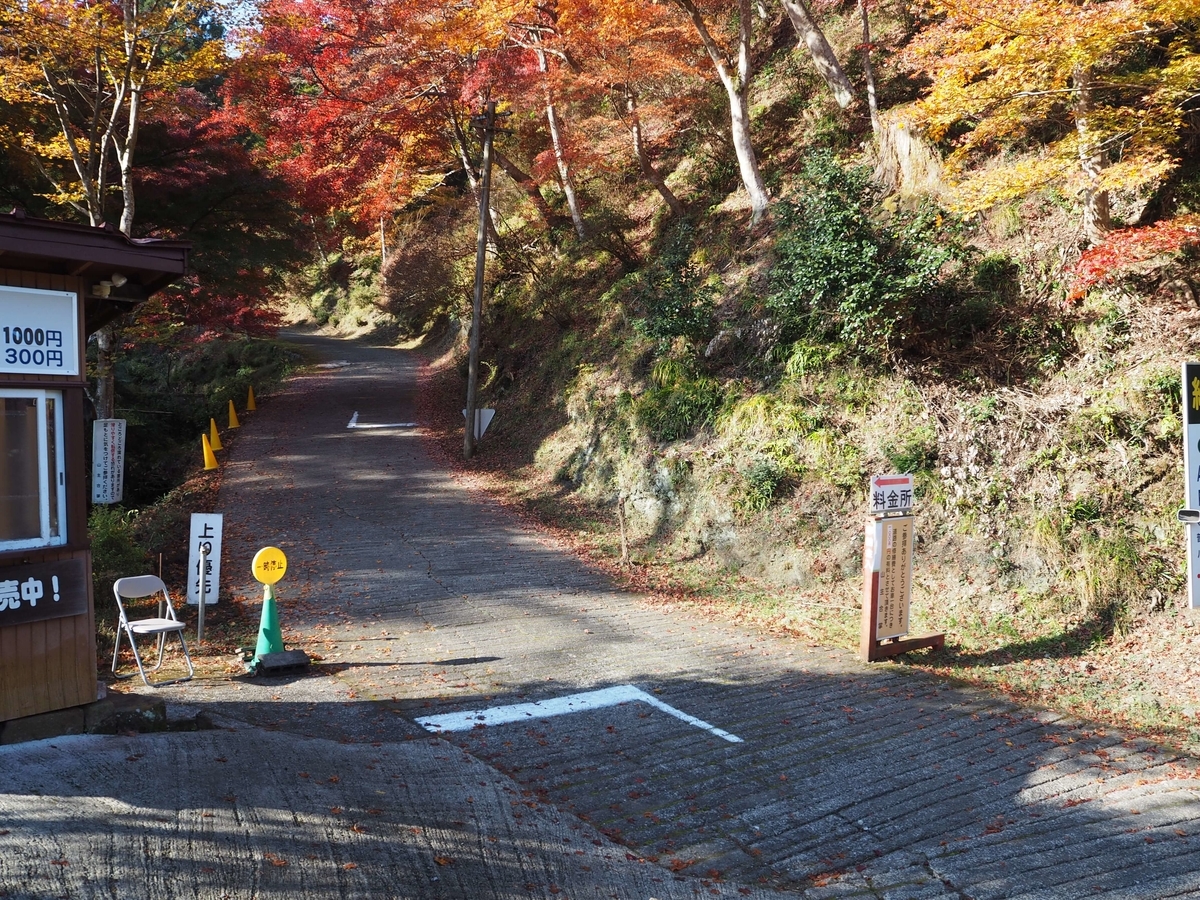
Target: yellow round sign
<point x="269" y="565"/>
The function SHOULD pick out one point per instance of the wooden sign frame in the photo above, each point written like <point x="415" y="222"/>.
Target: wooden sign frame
<point x="887" y="570"/>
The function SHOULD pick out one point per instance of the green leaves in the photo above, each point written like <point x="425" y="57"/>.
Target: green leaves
<point x="677" y="298"/>
<point x="839" y="274"/>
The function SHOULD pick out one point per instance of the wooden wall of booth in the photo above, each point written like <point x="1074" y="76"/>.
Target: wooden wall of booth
<point x="51" y="664"/>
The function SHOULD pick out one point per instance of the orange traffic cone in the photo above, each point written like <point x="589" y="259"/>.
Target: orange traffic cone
<point x="210" y="458"/>
<point x="214" y="437"/>
<point x="233" y="422"/>
<point x="250" y="404"/>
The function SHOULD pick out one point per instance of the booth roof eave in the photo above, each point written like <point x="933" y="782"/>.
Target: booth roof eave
<point x="93" y="254"/>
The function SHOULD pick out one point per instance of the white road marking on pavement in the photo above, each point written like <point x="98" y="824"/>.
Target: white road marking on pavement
<point x="589" y="700"/>
<point x="354" y="423"/>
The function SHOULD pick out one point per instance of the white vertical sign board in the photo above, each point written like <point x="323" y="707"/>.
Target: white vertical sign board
<point x="206" y="534"/>
<point x="1191" y="475"/>
<point x="39" y="331"/>
<point x="108" y="460"/>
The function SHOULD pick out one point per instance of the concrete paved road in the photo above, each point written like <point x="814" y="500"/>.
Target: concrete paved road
<point x="426" y="601"/>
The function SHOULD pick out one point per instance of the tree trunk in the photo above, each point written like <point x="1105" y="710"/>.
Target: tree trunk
<point x="106" y="341"/>
<point x="739" y="125"/>
<point x="737" y="88"/>
<point x="869" y="70"/>
<point x="818" y="48"/>
<point x="529" y="187"/>
<point x="639" y="147"/>
<point x="464" y="154"/>
<point x="1096" y="220"/>
<point x="560" y="155"/>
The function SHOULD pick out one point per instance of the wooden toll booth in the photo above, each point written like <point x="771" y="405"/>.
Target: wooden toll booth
<point x="59" y="283"/>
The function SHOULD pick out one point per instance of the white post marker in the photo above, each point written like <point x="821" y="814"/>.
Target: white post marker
<point x="200" y="607"/>
<point x="204" y="578"/>
<point x="1190" y="514"/>
<point x="108" y="460"/>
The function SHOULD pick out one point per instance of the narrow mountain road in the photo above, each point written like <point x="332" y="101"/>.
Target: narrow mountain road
<point x="500" y="721"/>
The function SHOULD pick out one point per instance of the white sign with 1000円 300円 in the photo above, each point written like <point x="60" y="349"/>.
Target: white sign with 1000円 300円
<point x="39" y="331"/>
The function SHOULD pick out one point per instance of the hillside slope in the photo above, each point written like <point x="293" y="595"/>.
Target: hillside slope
<point x="699" y="405"/>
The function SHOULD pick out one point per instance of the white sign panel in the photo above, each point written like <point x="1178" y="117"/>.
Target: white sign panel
<point x="39" y="331"/>
<point x="483" y="418"/>
<point x="1191" y="474"/>
<point x="890" y="494"/>
<point x="108" y="460"/>
<point x="206" y="535"/>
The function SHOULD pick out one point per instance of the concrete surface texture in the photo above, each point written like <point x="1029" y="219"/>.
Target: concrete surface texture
<point x="425" y="601"/>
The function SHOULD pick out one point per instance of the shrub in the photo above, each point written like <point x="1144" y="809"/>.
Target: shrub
<point x="678" y="403"/>
<point x="841" y="276"/>
<point x="673" y="293"/>
<point x="917" y="452"/>
<point x="762" y="482"/>
<point x="996" y="273"/>
<point x="168" y="394"/>
<point x="115" y="551"/>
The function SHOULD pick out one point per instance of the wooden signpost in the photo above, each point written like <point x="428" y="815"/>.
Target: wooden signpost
<point x="887" y="571"/>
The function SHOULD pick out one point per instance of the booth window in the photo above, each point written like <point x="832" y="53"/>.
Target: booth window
<point x="33" y="497"/>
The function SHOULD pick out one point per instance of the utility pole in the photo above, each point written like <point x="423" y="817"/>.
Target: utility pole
<point x="488" y="123"/>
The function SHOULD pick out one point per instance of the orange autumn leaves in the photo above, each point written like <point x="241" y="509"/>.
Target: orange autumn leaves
<point x="368" y="105"/>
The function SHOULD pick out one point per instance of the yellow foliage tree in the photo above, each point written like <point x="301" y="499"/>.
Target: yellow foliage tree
<point x="1093" y="94"/>
<point x="79" y="74"/>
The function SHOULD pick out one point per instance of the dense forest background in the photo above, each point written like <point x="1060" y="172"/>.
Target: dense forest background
<point x="740" y="256"/>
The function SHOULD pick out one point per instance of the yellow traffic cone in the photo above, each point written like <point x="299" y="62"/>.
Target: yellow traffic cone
<point x="210" y="458"/>
<point x="250" y="404"/>
<point x="214" y="437"/>
<point x="233" y="422"/>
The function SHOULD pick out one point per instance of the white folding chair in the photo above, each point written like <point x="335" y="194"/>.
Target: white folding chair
<point x="160" y="626"/>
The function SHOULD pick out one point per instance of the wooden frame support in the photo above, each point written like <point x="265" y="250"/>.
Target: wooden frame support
<point x="870" y="647"/>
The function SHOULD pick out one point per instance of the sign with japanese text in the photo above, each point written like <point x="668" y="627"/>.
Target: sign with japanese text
<point x="108" y="460"/>
<point x="1191" y="474"/>
<point x="206" y="536"/>
<point x="269" y="565"/>
<point x="39" y="331"/>
<point x="40" y="591"/>
<point x="889" y="554"/>
<point x="890" y="494"/>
